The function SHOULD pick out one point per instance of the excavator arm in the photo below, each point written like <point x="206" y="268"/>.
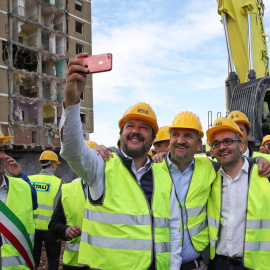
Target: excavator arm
<point x="248" y="64"/>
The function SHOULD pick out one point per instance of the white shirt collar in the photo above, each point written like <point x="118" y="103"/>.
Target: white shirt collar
<point x="4" y="183"/>
<point x="244" y="168"/>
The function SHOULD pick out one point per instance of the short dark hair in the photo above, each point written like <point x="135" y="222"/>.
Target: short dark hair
<point x="158" y="144"/>
<point x="247" y="128"/>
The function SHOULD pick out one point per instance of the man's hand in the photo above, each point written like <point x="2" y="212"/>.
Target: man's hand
<point x="263" y="167"/>
<point x="75" y="80"/>
<point x="159" y="157"/>
<point x="73" y="231"/>
<point x="12" y="167"/>
<point x="103" y="151"/>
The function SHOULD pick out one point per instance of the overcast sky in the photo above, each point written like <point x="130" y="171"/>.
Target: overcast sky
<point x="170" y="54"/>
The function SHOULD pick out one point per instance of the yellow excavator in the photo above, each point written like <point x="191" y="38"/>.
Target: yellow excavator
<point x="248" y="83"/>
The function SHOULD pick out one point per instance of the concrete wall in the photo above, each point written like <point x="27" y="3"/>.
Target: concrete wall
<point x="30" y="165"/>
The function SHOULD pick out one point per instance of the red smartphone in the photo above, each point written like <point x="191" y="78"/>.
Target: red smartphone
<point x="98" y="63"/>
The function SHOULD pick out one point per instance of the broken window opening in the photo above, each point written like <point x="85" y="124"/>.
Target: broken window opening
<point x="34" y="136"/>
<point x="60" y="69"/>
<point x="78" y="5"/>
<point x="79" y="27"/>
<point x="45" y="40"/>
<point x="79" y="48"/>
<point x="59" y="114"/>
<point x="60" y="44"/>
<point x="48" y="67"/>
<point x="24" y="110"/>
<point x="46" y="90"/>
<point x="47" y="17"/>
<point x="60" y="3"/>
<point x="18" y="7"/>
<point x="60" y="92"/>
<point x="59" y="22"/>
<point x="5" y="55"/>
<point x="24" y="58"/>
<point x="48" y="114"/>
<point x="26" y="85"/>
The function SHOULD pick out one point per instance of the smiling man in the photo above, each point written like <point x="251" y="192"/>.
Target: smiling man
<point x="132" y="218"/>
<point x="238" y="206"/>
<point x="192" y="177"/>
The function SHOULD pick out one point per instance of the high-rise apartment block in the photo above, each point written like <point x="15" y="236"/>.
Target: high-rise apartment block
<point x="37" y="39"/>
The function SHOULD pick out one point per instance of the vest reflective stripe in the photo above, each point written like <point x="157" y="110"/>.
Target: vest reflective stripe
<point x="195" y="211"/>
<point x="196" y="200"/>
<point x="46" y="207"/>
<point x="257" y="235"/>
<point x="213" y="222"/>
<point x="72" y="247"/>
<point x="196" y="230"/>
<point x="13" y="261"/>
<point x="255" y="246"/>
<point x="117" y="243"/>
<point x="5" y="240"/>
<point x="73" y="192"/>
<point x="47" y="187"/>
<point x="19" y="201"/>
<point x="121" y="229"/>
<point x="40" y="217"/>
<point x="258" y="224"/>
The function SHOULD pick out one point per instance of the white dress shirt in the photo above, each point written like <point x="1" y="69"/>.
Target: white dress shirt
<point x="91" y="168"/>
<point x="3" y="190"/>
<point x="233" y="213"/>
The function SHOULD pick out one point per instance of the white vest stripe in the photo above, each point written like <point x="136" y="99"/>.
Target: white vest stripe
<point x="213" y="222"/>
<point x="114" y="218"/>
<point x="117" y="243"/>
<point x="162" y="247"/>
<point x="12" y="261"/>
<point x="195" y="211"/>
<point x="197" y="229"/>
<point x="72" y="247"/>
<point x="254" y="246"/>
<point x="258" y="224"/>
<point x="161" y="222"/>
<point x="5" y="240"/>
<point x="40" y="217"/>
<point x="45" y="207"/>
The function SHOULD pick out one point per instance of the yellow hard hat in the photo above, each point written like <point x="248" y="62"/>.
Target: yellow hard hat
<point x="3" y="138"/>
<point x="163" y="134"/>
<point x="265" y="139"/>
<point x="49" y="155"/>
<point x="141" y="111"/>
<point x="91" y="144"/>
<point x="238" y="117"/>
<point x="150" y="153"/>
<point x="222" y="124"/>
<point x="187" y="120"/>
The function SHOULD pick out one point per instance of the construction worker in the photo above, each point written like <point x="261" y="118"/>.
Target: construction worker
<point x="266" y="144"/>
<point x="17" y="201"/>
<point x="67" y="219"/>
<point x="131" y="218"/>
<point x="192" y="177"/>
<point x="262" y="150"/>
<point x="238" y="206"/>
<point x="162" y="140"/>
<point x="48" y="188"/>
<point x="245" y="126"/>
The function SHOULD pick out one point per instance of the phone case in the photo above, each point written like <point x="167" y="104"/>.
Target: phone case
<point x="98" y="63"/>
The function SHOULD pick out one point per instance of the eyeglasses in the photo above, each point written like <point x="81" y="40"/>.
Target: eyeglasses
<point x="226" y="142"/>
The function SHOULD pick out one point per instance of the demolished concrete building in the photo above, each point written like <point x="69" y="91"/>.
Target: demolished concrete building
<point x="37" y="39"/>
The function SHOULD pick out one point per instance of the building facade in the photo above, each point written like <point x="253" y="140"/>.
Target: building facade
<point x="37" y="39"/>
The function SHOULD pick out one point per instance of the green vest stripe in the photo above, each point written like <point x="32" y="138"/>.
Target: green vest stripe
<point x="197" y="229"/>
<point x="258" y="224"/>
<point x="117" y="243"/>
<point x="72" y="247"/>
<point x="46" y="207"/>
<point x="195" y="211"/>
<point x="40" y="217"/>
<point x="255" y="246"/>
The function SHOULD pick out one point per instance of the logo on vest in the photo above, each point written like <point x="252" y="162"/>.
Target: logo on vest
<point x="42" y="187"/>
